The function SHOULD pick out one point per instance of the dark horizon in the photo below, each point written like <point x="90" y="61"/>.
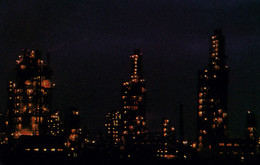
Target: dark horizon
<point x="90" y="44"/>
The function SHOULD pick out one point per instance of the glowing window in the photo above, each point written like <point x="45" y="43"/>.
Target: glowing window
<point x="221" y="144"/>
<point x="200" y="101"/>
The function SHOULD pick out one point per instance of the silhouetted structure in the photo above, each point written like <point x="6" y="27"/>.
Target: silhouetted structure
<point x="168" y="147"/>
<point x="56" y="124"/>
<point x="30" y="99"/>
<point x="74" y="133"/>
<point x="251" y="126"/>
<point x="32" y="127"/>
<point x="113" y="131"/>
<point x="212" y="96"/>
<point x="236" y="149"/>
<point x="3" y="136"/>
<point x="133" y="105"/>
<point x="127" y="126"/>
<point x="181" y="124"/>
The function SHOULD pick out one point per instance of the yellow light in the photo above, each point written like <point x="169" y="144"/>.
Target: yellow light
<point x="221" y="144"/>
<point x="200" y="113"/>
<point x="200" y="101"/>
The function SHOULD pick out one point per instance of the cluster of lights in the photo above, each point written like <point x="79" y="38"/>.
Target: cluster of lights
<point x="23" y="98"/>
<point x="112" y="125"/>
<point x="235" y="148"/>
<point x="168" y="133"/>
<point x="210" y="111"/>
<point x="44" y="149"/>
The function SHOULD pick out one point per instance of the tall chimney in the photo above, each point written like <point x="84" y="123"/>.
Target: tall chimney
<point x="48" y="58"/>
<point x="181" y="124"/>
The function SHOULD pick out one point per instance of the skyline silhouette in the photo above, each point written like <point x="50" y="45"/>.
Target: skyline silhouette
<point x="89" y="41"/>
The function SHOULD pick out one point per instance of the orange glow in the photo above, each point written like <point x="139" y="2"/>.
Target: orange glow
<point x="236" y="145"/>
<point x="26" y="132"/>
<point x="32" y="54"/>
<point x="193" y="145"/>
<point x="46" y="84"/>
<point x="219" y="119"/>
<point x="19" y="126"/>
<point x="200" y="101"/>
<point x="169" y="156"/>
<point x="143" y="123"/>
<point x="221" y="144"/>
<point x="229" y="144"/>
<point x="210" y="147"/>
<point x="29" y="91"/>
<point x="131" y="127"/>
<point x="216" y="67"/>
<point x="200" y="113"/>
<point x="73" y="137"/>
<point x="22" y="67"/>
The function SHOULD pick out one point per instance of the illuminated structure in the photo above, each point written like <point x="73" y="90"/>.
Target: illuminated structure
<point x="74" y="140"/>
<point x="3" y="137"/>
<point x="113" y="129"/>
<point x="29" y="106"/>
<point x="32" y="127"/>
<point x="251" y="126"/>
<point x="55" y="124"/>
<point x="212" y="96"/>
<point x="126" y="128"/>
<point x="133" y="104"/>
<point x="168" y="143"/>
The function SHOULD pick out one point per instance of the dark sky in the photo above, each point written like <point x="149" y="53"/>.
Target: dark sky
<point x="90" y="42"/>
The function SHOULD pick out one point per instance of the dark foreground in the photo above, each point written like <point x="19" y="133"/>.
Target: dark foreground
<point x="96" y="159"/>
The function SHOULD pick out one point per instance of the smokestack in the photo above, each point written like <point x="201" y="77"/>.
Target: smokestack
<point x="48" y="58"/>
<point x="181" y="123"/>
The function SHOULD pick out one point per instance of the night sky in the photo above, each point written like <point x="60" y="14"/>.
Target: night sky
<point x="90" y="42"/>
